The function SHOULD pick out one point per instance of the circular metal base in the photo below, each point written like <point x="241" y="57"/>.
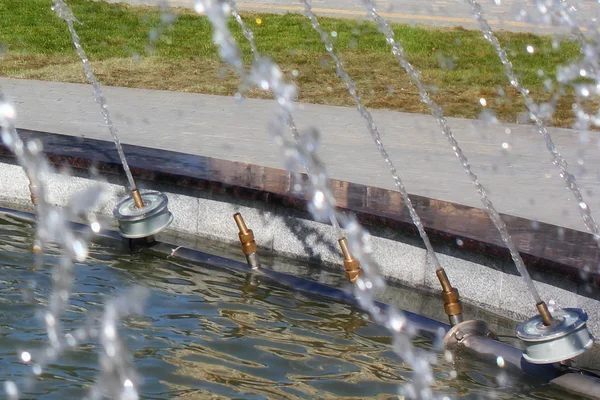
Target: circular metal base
<point x="458" y="333"/>
<point x="136" y="223"/>
<point x="565" y="338"/>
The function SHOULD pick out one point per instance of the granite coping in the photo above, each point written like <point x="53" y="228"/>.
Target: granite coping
<point x="544" y="247"/>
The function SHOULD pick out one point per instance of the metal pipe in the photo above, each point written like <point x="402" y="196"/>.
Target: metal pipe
<point x="512" y="357"/>
<point x="579" y="384"/>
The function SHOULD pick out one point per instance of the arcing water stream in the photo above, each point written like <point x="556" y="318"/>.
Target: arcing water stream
<point x="119" y="379"/>
<point x="53" y="228"/>
<point x="535" y="111"/>
<point x="438" y="114"/>
<point x="249" y="35"/>
<point x="64" y="12"/>
<point x="373" y="130"/>
<point x="266" y="75"/>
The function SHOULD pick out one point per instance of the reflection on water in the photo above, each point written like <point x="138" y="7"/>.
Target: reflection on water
<point x="208" y="333"/>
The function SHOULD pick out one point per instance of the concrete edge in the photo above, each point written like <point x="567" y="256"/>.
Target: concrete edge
<point x="284" y="233"/>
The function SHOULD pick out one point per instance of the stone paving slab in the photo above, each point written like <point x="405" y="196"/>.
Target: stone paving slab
<point x="521" y="179"/>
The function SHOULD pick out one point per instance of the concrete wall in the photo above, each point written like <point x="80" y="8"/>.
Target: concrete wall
<point x="482" y="282"/>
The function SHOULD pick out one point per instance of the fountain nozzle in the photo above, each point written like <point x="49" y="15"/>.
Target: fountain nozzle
<point x="351" y="265"/>
<point x="247" y="240"/>
<point x="566" y="336"/>
<point x="452" y="304"/>
<point x="142" y="215"/>
<point x="544" y="313"/>
<point x="137" y="198"/>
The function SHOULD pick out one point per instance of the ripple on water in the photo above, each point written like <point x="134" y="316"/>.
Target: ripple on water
<point x="205" y="333"/>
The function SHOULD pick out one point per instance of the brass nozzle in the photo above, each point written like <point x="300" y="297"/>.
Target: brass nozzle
<point x="351" y="265"/>
<point x="544" y="313"/>
<point x="137" y="198"/>
<point x="452" y="304"/>
<point x="246" y="235"/>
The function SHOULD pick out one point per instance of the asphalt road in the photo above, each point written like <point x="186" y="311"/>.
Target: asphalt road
<point x="502" y="14"/>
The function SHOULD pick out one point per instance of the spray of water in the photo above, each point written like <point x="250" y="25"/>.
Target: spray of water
<point x="54" y="227"/>
<point x="249" y="35"/>
<point x="373" y="130"/>
<point x="64" y="12"/>
<point x="535" y="112"/>
<point x="438" y="114"/>
<point x="303" y="152"/>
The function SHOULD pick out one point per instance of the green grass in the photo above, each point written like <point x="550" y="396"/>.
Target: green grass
<point x="38" y="46"/>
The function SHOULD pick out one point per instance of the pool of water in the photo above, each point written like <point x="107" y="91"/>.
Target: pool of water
<point x="207" y="333"/>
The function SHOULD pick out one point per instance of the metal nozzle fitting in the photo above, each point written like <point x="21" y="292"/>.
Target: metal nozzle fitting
<point x="247" y="240"/>
<point x="452" y="304"/>
<point x="544" y="313"/>
<point x="137" y="198"/>
<point x="351" y="265"/>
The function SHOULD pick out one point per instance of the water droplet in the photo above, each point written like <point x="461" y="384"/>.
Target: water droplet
<point x="459" y="242"/>
<point x="505" y="145"/>
<point x="49" y="319"/>
<point x="507" y="131"/>
<point x="11" y="390"/>
<point x="25" y="356"/>
<point x="500" y="362"/>
<point x="80" y="250"/>
<point x="334" y="33"/>
<point x="530" y="49"/>
<point x="448" y="356"/>
<point x="483" y="102"/>
<point x="583" y="205"/>
<point x="7" y="111"/>
<point x="199" y="7"/>
<point x="259" y="21"/>
<point x="95" y="226"/>
<point x="128" y="383"/>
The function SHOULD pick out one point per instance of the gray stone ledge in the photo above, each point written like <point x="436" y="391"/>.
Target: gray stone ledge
<point x="284" y="232"/>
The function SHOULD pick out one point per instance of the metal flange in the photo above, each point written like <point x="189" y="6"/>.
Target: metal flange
<point x="140" y="222"/>
<point x="460" y="332"/>
<point x="566" y="337"/>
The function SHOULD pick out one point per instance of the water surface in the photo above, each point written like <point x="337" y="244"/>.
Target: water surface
<point x="209" y="333"/>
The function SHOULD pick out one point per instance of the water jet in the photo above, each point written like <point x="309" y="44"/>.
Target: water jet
<point x="551" y="340"/>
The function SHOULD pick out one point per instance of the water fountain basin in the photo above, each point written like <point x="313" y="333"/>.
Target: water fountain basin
<point x="207" y="192"/>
